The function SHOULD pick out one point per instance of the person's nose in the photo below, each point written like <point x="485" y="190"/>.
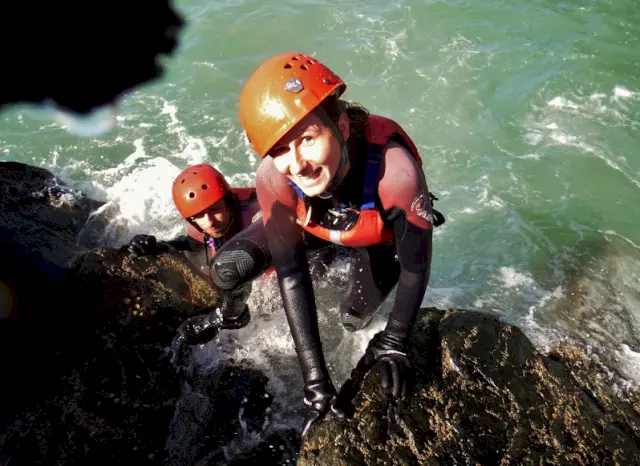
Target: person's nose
<point x="209" y="219"/>
<point x="296" y="163"/>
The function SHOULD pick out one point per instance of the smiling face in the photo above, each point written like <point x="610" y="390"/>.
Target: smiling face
<point x="215" y="220"/>
<point x="309" y="154"/>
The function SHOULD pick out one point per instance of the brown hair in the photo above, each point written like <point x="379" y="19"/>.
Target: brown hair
<point x="358" y="117"/>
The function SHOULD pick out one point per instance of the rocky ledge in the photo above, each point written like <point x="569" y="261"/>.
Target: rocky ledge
<point x="86" y="379"/>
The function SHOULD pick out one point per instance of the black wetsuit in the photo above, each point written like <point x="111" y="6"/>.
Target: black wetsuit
<point x="239" y="258"/>
<point x="237" y="261"/>
<point x="404" y="205"/>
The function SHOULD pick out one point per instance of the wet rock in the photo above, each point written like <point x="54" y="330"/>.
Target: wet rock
<point x="86" y="378"/>
<point x="150" y="290"/>
<point x="278" y="449"/>
<point x="484" y="395"/>
<point x="85" y="373"/>
<point x="216" y="414"/>
<point x="38" y="212"/>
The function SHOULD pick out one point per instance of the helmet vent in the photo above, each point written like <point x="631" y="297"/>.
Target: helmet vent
<point x="191" y="194"/>
<point x="204" y="187"/>
<point x="304" y="66"/>
<point x="182" y="181"/>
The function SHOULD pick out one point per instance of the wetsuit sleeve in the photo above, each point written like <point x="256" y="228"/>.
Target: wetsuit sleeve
<point x="404" y="197"/>
<point x="277" y="201"/>
<point x="185" y="243"/>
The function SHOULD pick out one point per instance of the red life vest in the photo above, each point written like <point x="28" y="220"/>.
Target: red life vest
<point x="369" y="229"/>
<point x="249" y="212"/>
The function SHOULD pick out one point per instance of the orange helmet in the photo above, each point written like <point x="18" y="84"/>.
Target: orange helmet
<point x="280" y="93"/>
<point x="197" y="188"/>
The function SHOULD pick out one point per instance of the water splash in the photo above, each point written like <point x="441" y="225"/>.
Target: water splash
<point x="99" y="121"/>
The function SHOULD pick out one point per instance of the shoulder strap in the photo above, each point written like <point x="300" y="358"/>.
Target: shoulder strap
<point x="371" y="176"/>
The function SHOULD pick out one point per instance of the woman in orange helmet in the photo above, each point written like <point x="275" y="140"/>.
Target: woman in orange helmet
<point x="333" y="170"/>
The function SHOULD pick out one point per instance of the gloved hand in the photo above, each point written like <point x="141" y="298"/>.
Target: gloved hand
<point x="389" y="353"/>
<point x="141" y="245"/>
<point x="202" y="328"/>
<point x="321" y="397"/>
<point x="194" y="331"/>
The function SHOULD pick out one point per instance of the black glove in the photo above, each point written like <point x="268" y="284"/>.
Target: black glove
<point x="321" y="397"/>
<point x="389" y="353"/>
<point x="202" y="328"/>
<point x="142" y="245"/>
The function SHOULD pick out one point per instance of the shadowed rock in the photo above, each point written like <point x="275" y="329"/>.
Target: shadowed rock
<point x="85" y="373"/>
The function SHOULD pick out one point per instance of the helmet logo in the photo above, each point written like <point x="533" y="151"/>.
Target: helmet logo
<point x="293" y="85"/>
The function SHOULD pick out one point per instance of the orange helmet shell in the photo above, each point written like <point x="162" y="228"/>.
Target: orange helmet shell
<point x="197" y="188"/>
<point x="280" y="93"/>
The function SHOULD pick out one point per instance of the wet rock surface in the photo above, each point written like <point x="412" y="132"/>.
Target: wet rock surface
<point x="484" y="395"/>
<point x="86" y="377"/>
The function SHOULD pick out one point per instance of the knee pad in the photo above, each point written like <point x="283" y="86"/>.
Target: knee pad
<point x="230" y="268"/>
<point x="237" y="262"/>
